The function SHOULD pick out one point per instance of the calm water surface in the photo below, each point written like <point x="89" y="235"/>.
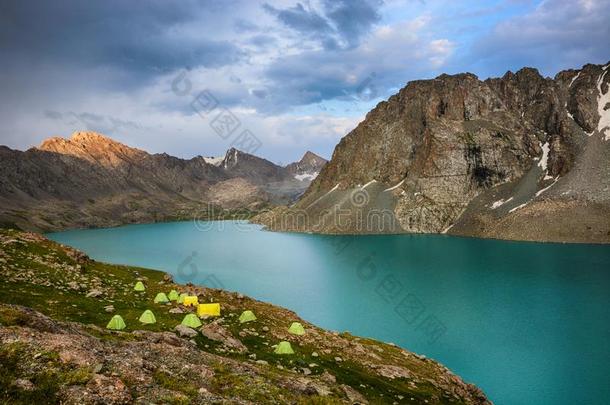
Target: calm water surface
<point x="529" y="323"/>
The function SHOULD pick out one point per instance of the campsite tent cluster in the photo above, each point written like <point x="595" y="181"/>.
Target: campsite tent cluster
<point x="192" y="320"/>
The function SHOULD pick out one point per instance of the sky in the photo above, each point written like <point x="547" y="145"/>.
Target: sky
<point x="276" y="78"/>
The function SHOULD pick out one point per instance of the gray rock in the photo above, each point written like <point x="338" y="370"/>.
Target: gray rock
<point x="95" y="293"/>
<point x="74" y="285"/>
<point x="215" y="331"/>
<point x="185" y="331"/>
<point x="328" y="377"/>
<point x="353" y="396"/>
<point x="391" y="371"/>
<point x="24" y="384"/>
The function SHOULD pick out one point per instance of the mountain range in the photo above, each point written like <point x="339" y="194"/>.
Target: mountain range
<point x="521" y="157"/>
<point x="90" y="180"/>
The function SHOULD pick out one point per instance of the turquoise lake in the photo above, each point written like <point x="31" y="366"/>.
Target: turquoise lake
<point x="529" y="323"/>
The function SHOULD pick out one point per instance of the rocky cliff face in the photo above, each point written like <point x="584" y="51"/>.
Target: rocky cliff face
<point x="517" y="157"/>
<point x="91" y="180"/>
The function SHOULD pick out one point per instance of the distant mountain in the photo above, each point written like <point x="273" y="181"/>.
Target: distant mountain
<point x="92" y="180"/>
<point x="253" y="168"/>
<point x="308" y="167"/>
<point x="519" y="157"/>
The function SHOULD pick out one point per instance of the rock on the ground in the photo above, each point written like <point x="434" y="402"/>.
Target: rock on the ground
<point x="185" y="331"/>
<point x="95" y="293"/>
<point x="214" y="331"/>
<point x="354" y="396"/>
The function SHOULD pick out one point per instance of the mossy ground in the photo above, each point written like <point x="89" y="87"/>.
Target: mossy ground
<point x="46" y="379"/>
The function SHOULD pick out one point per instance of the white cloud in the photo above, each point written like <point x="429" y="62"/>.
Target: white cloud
<point x="441" y="50"/>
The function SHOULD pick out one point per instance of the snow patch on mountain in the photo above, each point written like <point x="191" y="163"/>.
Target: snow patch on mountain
<point x="603" y="126"/>
<point x="545" y="155"/>
<point x="306" y="176"/>
<point x="500" y="203"/>
<point x="216" y="161"/>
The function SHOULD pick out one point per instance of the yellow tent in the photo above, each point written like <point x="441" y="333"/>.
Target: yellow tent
<point x="296" y="329"/>
<point x="283" y="348"/>
<point x="161" y="298"/>
<point x="139" y="286"/>
<point x="190" y="300"/>
<point x="191" y="321"/>
<point x="116" y="323"/>
<point x="208" y="309"/>
<point x="148" y="317"/>
<point x="173" y="295"/>
<point x="247" y="316"/>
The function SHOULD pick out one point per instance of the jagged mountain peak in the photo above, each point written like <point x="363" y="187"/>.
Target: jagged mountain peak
<point x="93" y="147"/>
<point x="82" y="137"/>
<point x="308" y="167"/>
<point x="91" y="136"/>
<point x="311" y="158"/>
<point x="234" y="156"/>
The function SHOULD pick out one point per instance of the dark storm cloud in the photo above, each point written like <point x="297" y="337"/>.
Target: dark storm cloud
<point x="353" y="19"/>
<point x="558" y="34"/>
<point x="141" y="39"/>
<point x="339" y="23"/>
<point x="339" y="26"/>
<point x="301" y="19"/>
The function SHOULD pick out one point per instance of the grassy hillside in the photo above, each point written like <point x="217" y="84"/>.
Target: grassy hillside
<point x="59" y="350"/>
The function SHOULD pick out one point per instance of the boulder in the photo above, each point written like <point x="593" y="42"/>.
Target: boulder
<point x="185" y="331"/>
<point x="214" y="331"/>
<point x="353" y="396"/>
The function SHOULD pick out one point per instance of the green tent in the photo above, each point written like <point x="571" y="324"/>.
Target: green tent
<point x="161" y="298"/>
<point x="181" y="298"/>
<point x="191" y="321"/>
<point x="247" y="316"/>
<point x="173" y="295"/>
<point x="283" y="348"/>
<point x="148" y="317"/>
<point x="116" y="323"/>
<point x="296" y="329"/>
<point x="139" y="286"/>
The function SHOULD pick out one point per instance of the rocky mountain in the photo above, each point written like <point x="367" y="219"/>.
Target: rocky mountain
<point x="308" y="167"/>
<point x="55" y="304"/>
<point x="91" y="180"/>
<point x="518" y="157"/>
